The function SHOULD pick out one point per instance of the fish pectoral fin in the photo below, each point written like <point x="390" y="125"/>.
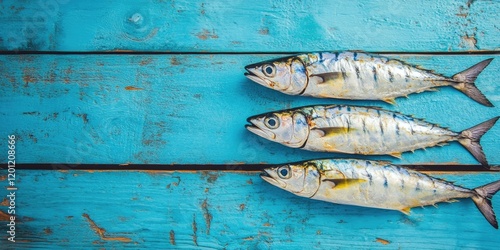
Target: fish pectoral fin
<point x="343" y="183"/>
<point x="325" y="77"/>
<point x="406" y="210"/>
<point x="396" y="154"/>
<point x="325" y="132"/>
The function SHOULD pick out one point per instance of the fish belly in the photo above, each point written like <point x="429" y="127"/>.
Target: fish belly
<point x="367" y="131"/>
<point x="387" y="187"/>
<point x="366" y="77"/>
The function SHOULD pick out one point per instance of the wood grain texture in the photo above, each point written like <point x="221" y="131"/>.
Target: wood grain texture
<point x="238" y="26"/>
<point x="217" y="210"/>
<point x="191" y="109"/>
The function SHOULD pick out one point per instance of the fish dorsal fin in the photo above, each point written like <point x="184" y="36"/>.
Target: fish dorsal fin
<point x="325" y="77"/>
<point x="329" y="131"/>
<point x="406" y="210"/>
<point x="343" y="183"/>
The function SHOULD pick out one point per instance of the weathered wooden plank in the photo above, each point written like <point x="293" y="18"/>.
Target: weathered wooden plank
<point x="236" y="26"/>
<point x="191" y="109"/>
<point x="216" y="210"/>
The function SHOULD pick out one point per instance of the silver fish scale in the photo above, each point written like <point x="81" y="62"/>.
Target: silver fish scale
<point x="363" y="130"/>
<point x="383" y="185"/>
<point x="363" y="76"/>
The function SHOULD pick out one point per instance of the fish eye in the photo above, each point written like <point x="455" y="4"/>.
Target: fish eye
<point x="269" y="70"/>
<point x="272" y="122"/>
<point x="284" y="172"/>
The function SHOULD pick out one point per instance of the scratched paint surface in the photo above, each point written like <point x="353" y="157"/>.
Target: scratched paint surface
<point x="216" y="210"/>
<point x="281" y="25"/>
<point x="191" y="109"/>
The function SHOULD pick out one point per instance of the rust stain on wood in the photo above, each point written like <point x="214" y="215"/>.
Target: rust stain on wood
<point x="146" y="61"/>
<point x="132" y="88"/>
<point x="122" y="50"/>
<point x="249" y="182"/>
<point x="5" y="202"/>
<point x="195" y="229"/>
<point x="206" y="214"/>
<point x="211" y="177"/>
<point x="264" y="31"/>
<point x="267" y="224"/>
<point x="172" y="237"/>
<point x="3" y="177"/>
<point x="242" y="207"/>
<point x="206" y="34"/>
<point x="382" y="241"/>
<point x="174" y="61"/>
<point x="469" y="41"/>
<point x="4" y="216"/>
<point x="102" y="232"/>
<point x="28" y="76"/>
<point x="47" y="230"/>
<point x="152" y="172"/>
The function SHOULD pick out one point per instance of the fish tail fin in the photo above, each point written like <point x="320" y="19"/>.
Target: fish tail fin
<point x="464" y="81"/>
<point x="470" y="139"/>
<point x="482" y="199"/>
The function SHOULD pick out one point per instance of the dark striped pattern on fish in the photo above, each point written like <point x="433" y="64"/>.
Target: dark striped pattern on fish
<point x="358" y="76"/>
<point x="360" y="130"/>
<point x="374" y="184"/>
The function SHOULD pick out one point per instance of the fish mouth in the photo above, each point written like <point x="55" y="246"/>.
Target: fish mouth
<point x="253" y="75"/>
<point x="267" y="176"/>
<point x="256" y="129"/>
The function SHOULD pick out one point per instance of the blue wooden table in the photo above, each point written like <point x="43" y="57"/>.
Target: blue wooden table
<point x="118" y="106"/>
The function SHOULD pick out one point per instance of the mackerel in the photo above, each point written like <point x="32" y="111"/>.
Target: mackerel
<point x="374" y="184"/>
<point x="361" y="130"/>
<point x="358" y="76"/>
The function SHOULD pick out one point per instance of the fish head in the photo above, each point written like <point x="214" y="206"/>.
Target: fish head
<point x="302" y="179"/>
<point x="287" y="75"/>
<point x="289" y="128"/>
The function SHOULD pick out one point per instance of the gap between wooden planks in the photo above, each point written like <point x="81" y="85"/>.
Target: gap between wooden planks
<point x="136" y="52"/>
<point x="243" y="168"/>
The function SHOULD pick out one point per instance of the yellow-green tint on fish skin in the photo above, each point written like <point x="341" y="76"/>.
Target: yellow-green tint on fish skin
<point x="359" y="76"/>
<point x="362" y="130"/>
<point x="373" y="184"/>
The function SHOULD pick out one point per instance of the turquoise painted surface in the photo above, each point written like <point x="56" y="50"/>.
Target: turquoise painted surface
<point x="218" y="210"/>
<point x="236" y="26"/>
<point x="119" y="108"/>
<point x="191" y="109"/>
